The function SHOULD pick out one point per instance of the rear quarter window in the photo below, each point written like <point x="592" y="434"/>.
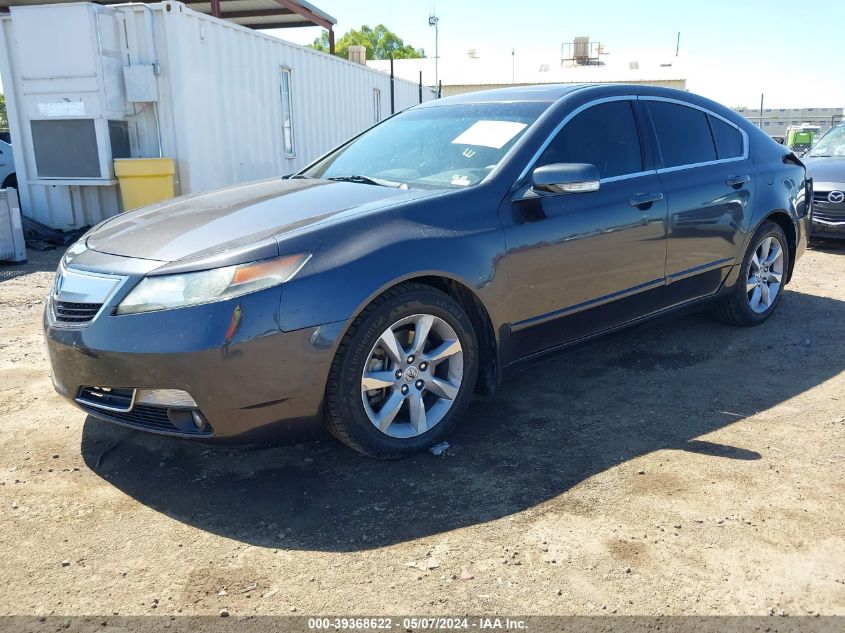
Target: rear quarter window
<point x="728" y="138"/>
<point x="683" y="134"/>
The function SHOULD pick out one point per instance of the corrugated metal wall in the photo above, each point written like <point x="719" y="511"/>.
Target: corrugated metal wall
<point x="224" y="83"/>
<point x="219" y="112"/>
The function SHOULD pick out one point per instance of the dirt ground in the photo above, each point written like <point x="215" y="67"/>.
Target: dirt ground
<point x="683" y="467"/>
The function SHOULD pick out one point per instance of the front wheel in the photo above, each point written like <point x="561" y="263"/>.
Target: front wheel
<point x="404" y="373"/>
<point x="762" y="275"/>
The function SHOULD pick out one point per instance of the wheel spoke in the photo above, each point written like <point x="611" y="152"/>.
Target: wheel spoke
<point x="418" y="417"/>
<point x="765" y="295"/>
<point x="775" y="254"/>
<point x="442" y="388"/>
<point x="443" y="351"/>
<point x="421" y="329"/>
<point x="387" y="341"/>
<point x="751" y="284"/>
<point x="755" y="298"/>
<point x="389" y="409"/>
<point x="774" y="288"/>
<point x="755" y="262"/>
<point x="765" y="245"/>
<point x="775" y="277"/>
<point x="377" y="380"/>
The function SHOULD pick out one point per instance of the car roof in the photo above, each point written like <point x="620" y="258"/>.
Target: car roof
<point x="544" y="92"/>
<point x="550" y="93"/>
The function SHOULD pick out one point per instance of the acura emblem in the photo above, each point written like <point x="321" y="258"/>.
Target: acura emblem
<point x="835" y="197"/>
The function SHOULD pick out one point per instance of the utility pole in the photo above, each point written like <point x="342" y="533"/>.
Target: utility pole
<point x="513" y="65"/>
<point x="432" y="21"/>
<point x="678" y="44"/>
<point x="761" y="110"/>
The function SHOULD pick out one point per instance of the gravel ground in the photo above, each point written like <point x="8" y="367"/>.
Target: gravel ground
<point x="680" y="467"/>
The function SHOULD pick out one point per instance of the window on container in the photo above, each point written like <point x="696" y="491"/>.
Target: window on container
<point x="287" y="115"/>
<point x="377" y="105"/>
<point x="682" y="133"/>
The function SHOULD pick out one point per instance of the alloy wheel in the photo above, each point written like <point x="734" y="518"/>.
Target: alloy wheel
<point x="765" y="274"/>
<point x="412" y="375"/>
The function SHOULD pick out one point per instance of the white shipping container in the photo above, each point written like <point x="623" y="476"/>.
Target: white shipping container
<point x="228" y="103"/>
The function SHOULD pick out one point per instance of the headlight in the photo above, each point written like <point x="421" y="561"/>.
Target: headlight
<point x="176" y="291"/>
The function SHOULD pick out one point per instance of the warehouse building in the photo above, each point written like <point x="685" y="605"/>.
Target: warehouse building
<point x="87" y="83"/>
<point x="775" y="120"/>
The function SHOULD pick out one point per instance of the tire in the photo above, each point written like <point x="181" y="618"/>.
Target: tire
<point x="352" y="414"/>
<point x="738" y="308"/>
<point x="10" y="182"/>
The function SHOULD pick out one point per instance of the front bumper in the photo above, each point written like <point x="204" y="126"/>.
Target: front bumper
<point x="827" y="228"/>
<point x="247" y="381"/>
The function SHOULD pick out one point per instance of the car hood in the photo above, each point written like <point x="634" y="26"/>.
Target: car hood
<point x="827" y="170"/>
<point x="202" y="224"/>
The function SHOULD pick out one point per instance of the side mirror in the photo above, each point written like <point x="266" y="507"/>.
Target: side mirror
<point x="566" y="178"/>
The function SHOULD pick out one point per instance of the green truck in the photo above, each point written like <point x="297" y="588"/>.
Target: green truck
<point x="799" y="138"/>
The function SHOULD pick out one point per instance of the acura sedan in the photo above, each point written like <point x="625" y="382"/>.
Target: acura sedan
<point x="382" y="286"/>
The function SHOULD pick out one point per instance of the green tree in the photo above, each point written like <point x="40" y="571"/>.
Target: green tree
<point x="4" y="116"/>
<point x="380" y="43"/>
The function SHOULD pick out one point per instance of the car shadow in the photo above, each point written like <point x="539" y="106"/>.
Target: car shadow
<point x="828" y="245"/>
<point x="552" y="426"/>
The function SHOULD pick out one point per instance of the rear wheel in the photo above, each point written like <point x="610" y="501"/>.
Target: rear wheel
<point x="762" y="276"/>
<point x="404" y="373"/>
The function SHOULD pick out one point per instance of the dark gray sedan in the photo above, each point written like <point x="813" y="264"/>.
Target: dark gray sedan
<point x="419" y="263"/>
<point x="826" y="166"/>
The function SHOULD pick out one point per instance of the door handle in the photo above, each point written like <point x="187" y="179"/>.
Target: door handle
<point x="640" y="200"/>
<point x="737" y="181"/>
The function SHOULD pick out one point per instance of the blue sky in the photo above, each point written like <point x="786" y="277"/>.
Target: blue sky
<point x="794" y="52"/>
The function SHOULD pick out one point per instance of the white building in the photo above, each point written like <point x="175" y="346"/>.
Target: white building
<point x="483" y="70"/>
<point x="87" y="83"/>
<point x="775" y="120"/>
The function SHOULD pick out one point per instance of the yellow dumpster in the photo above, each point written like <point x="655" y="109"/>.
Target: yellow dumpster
<point x="144" y="180"/>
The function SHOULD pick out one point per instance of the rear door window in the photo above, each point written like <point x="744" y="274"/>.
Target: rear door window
<point x="728" y="138"/>
<point x="604" y="135"/>
<point x="683" y="134"/>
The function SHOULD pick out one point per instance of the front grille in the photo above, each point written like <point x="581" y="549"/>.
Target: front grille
<point x="825" y="216"/>
<point x="151" y="418"/>
<point x="78" y="313"/>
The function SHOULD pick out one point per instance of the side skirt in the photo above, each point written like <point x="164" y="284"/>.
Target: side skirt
<point x="693" y="305"/>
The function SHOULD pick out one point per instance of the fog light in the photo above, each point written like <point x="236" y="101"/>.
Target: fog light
<point x="199" y="421"/>
<point x="166" y="398"/>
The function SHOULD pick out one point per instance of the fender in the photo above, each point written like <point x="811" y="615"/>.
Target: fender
<point x="356" y="260"/>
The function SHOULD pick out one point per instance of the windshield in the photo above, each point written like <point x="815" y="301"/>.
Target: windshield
<point x="831" y="144"/>
<point x="449" y="146"/>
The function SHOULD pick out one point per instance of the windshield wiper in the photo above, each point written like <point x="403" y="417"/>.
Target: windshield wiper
<point x="368" y="180"/>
